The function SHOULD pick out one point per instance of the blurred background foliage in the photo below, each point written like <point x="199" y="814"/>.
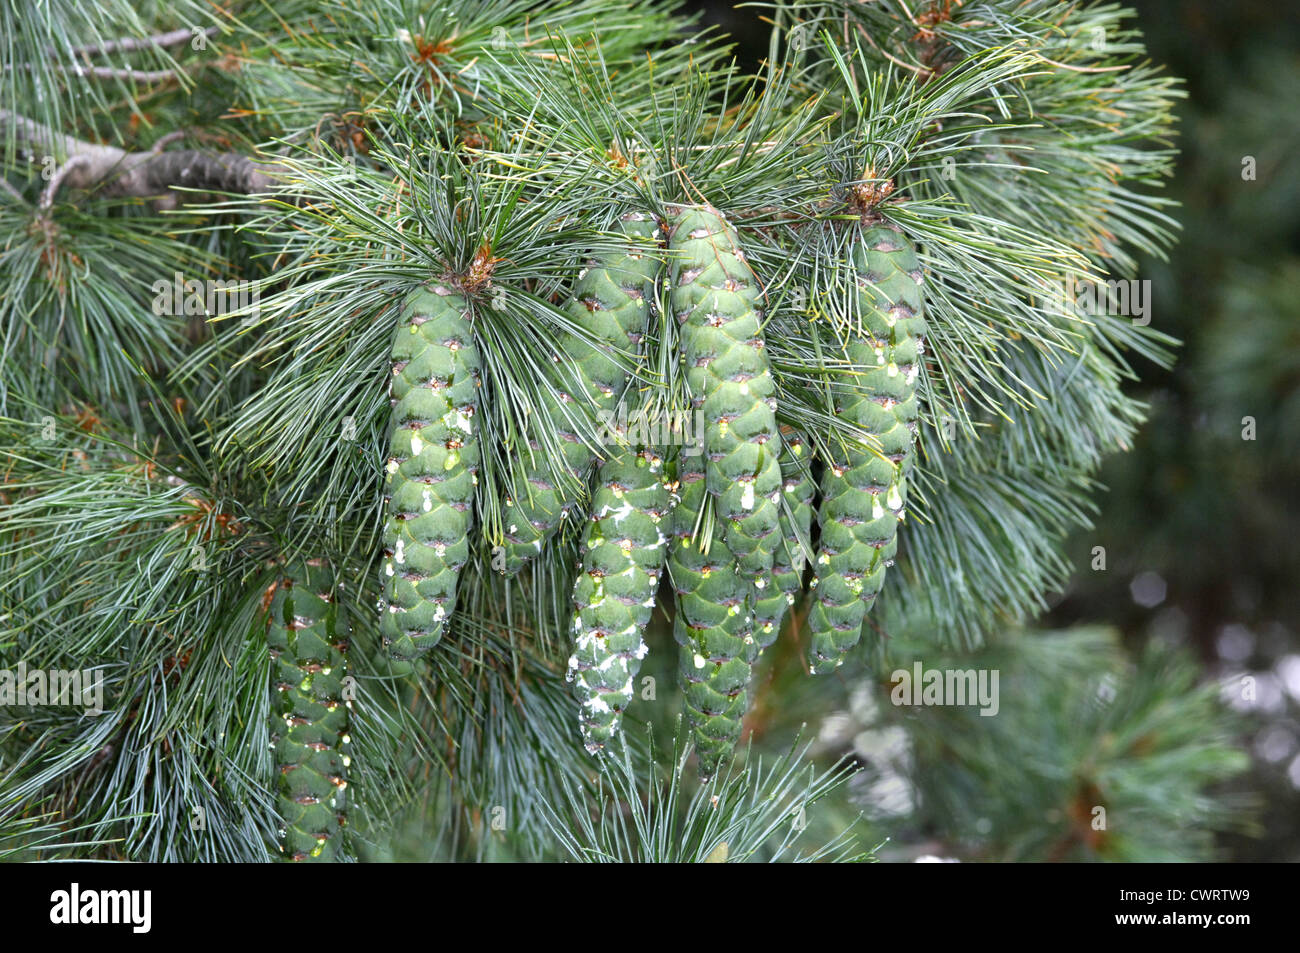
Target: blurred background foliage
<point x="1201" y="525"/>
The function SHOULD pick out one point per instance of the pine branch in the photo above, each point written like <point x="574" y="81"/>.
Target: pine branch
<point x="760" y="813"/>
<point x="492" y="155"/>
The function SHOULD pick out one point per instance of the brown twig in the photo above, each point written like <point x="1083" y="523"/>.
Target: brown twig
<point x="109" y="72"/>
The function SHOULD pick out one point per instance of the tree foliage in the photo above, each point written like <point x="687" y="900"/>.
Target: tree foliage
<point x="346" y="161"/>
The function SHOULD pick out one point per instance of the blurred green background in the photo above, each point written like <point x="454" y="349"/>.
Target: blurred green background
<point x="1201" y="526"/>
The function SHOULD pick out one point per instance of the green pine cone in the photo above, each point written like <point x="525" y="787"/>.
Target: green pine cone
<point x="432" y="469"/>
<point x="715" y="300"/>
<point x="797" y="490"/>
<point x="623" y="555"/>
<point x="611" y="301"/>
<point x="864" y="488"/>
<point x="713" y="627"/>
<point x="308" y="642"/>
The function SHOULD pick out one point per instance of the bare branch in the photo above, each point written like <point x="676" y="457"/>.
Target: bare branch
<point x="107" y="72"/>
<point x="113" y="72"/>
<point x="131" y="43"/>
<point x="38" y="140"/>
<point x="165" y="141"/>
<point x="153" y="175"/>
<point x="51" y="189"/>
